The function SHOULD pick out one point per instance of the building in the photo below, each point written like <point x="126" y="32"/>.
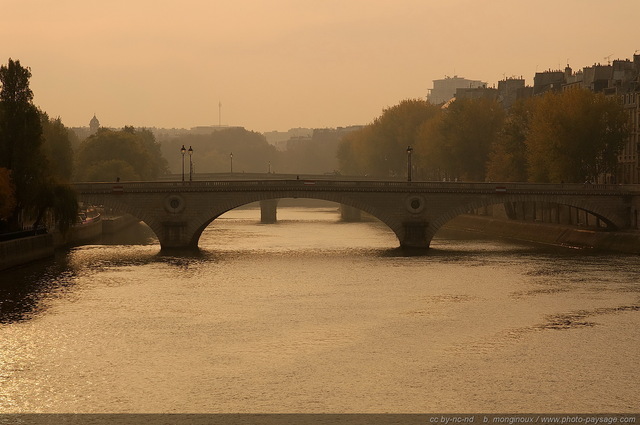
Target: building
<point x="208" y="129"/>
<point x="597" y="77"/>
<point x="619" y="78"/>
<point x="510" y="90"/>
<point x="548" y="81"/>
<point x="280" y="139"/>
<point x="627" y="88"/>
<point x="628" y="164"/>
<point x="477" y="93"/>
<point x="445" y="89"/>
<point x="94" y="125"/>
<point x="572" y="80"/>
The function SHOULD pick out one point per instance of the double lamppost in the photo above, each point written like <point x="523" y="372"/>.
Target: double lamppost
<point x="190" y="164"/>
<point x="409" y="151"/>
<point x="183" y="150"/>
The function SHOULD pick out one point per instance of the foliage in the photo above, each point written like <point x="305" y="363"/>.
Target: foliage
<point x="65" y="206"/>
<point x="379" y="149"/>
<point x="158" y="165"/>
<point x="432" y="151"/>
<point x="57" y="147"/>
<point x="61" y="200"/>
<point x="351" y="157"/>
<point x="7" y="194"/>
<point x="212" y="152"/>
<point x="569" y="136"/>
<point x="111" y="169"/>
<point x="508" y="157"/>
<point x="451" y="143"/>
<point x="20" y="138"/>
<point x="15" y="84"/>
<point x="574" y="136"/>
<point x="23" y="154"/>
<point x="127" y="154"/>
<point x="457" y="144"/>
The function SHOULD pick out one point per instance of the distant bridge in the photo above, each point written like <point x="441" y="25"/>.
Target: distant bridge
<point x="178" y="212"/>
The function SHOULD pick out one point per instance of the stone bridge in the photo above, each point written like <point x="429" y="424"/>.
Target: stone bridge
<point x="178" y="212"/>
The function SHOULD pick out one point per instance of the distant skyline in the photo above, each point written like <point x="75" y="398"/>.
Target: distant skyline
<point x="281" y="64"/>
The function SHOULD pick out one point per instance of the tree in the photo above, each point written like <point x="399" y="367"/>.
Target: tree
<point x="508" y="157"/>
<point x="7" y="194"/>
<point x="110" y="169"/>
<point x="15" y="84"/>
<point x="459" y="141"/>
<point x="57" y="148"/>
<point x="435" y="155"/>
<point x="158" y="165"/>
<point x="352" y="151"/>
<point x="251" y="152"/>
<point x="379" y="149"/>
<point x="20" y="138"/>
<point x="575" y="136"/>
<point x="128" y="154"/>
<point x="21" y="152"/>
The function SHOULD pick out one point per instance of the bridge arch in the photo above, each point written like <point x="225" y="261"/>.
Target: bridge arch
<point x="121" y="206"/>
<point x="602" y="211"/>
<point x="209" y="215"/>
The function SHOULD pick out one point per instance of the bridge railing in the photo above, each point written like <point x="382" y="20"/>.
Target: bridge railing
<point x="319" y="184"/>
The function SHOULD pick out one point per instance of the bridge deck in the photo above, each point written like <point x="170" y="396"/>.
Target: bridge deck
<point x="356" y="185"/>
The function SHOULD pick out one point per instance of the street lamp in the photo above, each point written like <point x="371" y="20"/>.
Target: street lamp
<point x="231" y="157"/>
<point x="409" y="150"/>
<point x="190" y="164"/>
<point x="183" y="151"/>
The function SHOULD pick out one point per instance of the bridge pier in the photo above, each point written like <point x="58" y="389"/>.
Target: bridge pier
<point x="415" y="235"/>
<point x="269" y="211"/>
<point x="175" y="235"/>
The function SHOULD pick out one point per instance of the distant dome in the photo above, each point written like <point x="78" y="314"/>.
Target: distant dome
<point x="94" y="124"/>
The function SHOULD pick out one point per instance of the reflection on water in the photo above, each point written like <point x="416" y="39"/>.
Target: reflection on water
<point x="23" y="288"/>
<point x="137" y="234"/>
<point x="314" y="315"/>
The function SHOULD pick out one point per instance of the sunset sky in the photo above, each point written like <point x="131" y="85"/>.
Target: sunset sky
<point x="279" y="64"/>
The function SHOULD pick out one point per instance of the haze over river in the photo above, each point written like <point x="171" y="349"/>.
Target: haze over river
<point x="315" y="315"/>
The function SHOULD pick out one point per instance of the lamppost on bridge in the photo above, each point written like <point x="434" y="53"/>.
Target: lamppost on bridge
<point x="231" y="157"/>
<point x="190" y="164"/>
<point x="183" y="151"/>
<point x="409" y="151"/>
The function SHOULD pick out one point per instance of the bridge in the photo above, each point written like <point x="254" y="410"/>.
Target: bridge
<point x="178" y="212"/>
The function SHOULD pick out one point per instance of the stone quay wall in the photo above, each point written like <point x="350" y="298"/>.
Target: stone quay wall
<point x="25" y="250"/>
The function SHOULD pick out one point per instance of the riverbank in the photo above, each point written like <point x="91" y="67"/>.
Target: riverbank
<point x="25" y="250"/>
<point x="550" y="234"/>
<point x="21" y="251"/>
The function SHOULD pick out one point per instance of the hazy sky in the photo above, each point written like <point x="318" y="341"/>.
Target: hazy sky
<point x="278" y="64"/>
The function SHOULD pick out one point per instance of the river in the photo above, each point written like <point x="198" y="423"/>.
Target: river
<point x="315" y="315"/>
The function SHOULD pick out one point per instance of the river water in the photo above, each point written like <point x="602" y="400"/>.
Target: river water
<point x="315" y="315"/>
